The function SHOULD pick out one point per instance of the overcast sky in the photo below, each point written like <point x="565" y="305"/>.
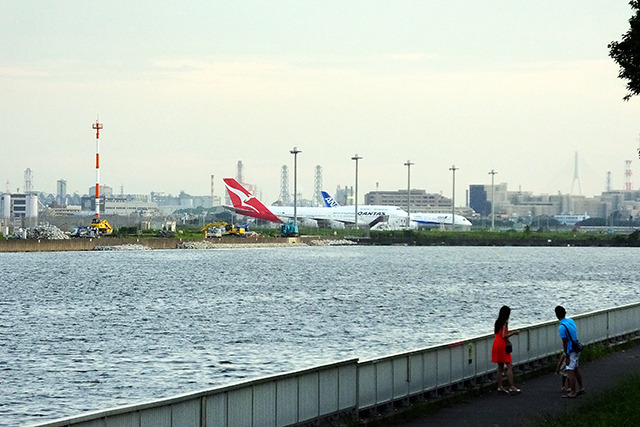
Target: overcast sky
<point x="186" y="89"/>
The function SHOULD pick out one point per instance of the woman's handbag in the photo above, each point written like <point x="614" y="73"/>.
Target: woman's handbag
<point x="508" y="348"/>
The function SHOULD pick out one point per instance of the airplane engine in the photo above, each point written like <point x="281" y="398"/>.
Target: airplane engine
<point x="329" y="223"/>
<point x="306" y="222"/>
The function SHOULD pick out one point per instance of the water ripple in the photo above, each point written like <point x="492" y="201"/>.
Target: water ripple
<point x="92" y="330"/>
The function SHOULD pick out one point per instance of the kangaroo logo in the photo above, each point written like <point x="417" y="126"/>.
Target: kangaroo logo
<point x="246" y="203"/>
<point x="242" y="199"/>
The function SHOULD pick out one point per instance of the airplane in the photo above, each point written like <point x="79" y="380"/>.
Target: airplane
<point x="431" y="220"/>
<point x="418" y="219"/>
<point x="245" y="203"/>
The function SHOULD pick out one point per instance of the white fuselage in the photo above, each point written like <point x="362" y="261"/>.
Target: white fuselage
<point x="342" y="214"/>
<point x="428" y="219"/>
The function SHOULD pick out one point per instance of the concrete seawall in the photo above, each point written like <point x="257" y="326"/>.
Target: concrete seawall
<point x="20" y="245"/>
<point x="43" y="245"/>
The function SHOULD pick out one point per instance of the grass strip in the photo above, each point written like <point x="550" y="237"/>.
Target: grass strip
<point x="613" y="407"/>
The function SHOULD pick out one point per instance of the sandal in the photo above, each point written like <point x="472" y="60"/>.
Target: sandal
<point x="514" y="390"/>
<point x="569" y="396"/>
<point x="503" y="390"/>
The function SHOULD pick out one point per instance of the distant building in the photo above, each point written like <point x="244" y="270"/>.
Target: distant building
<point x="420" y="200"/>
<point x="105" y="191"/>
<point x="19" y="206"/>
<point x="61" y="193"/>
<point x="344" y="196"/>
<point x="65" y="210"/>
<point x="526" y="204"/>
<point x="126" y="206"/>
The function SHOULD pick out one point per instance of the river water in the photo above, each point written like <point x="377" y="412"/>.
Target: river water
<point x="86" y="331"/>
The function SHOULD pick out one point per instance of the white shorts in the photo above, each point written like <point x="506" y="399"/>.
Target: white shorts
<point x="574" y="361"/>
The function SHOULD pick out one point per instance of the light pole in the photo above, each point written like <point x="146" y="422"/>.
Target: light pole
<point x="295" y="152"/>
<point x="453" y="169"/>
<point x="493" y="202"/>
<point x="356" y="158"/>
<point x="408" y="165"/>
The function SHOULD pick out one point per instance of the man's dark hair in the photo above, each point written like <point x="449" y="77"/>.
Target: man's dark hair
<point x="560" y="312"/>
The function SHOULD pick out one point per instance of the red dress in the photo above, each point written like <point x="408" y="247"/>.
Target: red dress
<point x="498" y="354"/>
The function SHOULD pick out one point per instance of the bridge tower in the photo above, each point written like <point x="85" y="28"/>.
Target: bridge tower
<point x="576" y="175"/>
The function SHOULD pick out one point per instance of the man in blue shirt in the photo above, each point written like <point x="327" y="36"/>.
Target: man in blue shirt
<point x="569" y="334"/>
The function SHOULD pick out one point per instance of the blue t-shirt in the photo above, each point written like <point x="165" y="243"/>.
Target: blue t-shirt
<point x="573" y="330"/>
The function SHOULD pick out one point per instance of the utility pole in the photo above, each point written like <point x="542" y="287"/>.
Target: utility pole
<point x="453" y="168"/>
<point x="356" y="158"/>
<point x="493" y="202"/>
<point x="408" y="165"/>
<point x="295" y="152"/>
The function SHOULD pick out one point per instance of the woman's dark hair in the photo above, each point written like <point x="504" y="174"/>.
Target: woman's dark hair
<point x="503" y="316"/>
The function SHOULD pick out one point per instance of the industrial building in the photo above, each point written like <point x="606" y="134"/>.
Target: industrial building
<point x="419" y="200"/>
<point x="510" y="204"/>
<point x="18" y="209"/>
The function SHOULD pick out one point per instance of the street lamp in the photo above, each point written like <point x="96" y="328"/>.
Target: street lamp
<point x="356" y="158"/>
<point x="493" y="202"/>
<point x="295" y="152"/>
<point x="408" y="165"/>
<point x="453" y="168"/>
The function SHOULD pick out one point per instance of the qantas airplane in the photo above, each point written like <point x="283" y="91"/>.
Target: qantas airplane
<point x="245" y="203"/>
<point x="418" y="219"/>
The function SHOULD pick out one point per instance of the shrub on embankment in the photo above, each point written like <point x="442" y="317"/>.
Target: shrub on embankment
<point x="502" y="238"/>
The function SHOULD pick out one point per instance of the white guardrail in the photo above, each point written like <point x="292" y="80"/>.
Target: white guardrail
<point x="326" y="392"/>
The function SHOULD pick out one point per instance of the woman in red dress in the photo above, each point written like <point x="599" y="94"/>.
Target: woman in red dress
<point x="498" y="353"/>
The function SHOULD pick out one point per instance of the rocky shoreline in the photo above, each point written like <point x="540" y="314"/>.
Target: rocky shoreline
<point x="116" y="244"/>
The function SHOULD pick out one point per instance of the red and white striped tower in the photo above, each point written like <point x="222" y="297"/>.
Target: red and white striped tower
<point x="627" y="176"/>
<point x="97" y="126"/>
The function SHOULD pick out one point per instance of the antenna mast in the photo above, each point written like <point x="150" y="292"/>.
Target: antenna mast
<point x="97" y="126"/>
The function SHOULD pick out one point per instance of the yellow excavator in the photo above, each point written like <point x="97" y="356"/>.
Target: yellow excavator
<point x="219" y="229"/>
<point x="102" y="226"/>
<point x="214" y="229"/>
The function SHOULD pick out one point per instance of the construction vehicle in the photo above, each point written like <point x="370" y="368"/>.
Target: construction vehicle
<point x="83" y="231"/>
<point x="98" y="227"/>
<point x="219" y="229"/>
<point x="101" y="226"/>
<point x="214" y="229"/>
<point x="289" y="230"/>
<point x="237" y="230"/>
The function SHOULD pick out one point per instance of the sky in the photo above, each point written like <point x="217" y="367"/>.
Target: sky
<point x="186" y="89"/>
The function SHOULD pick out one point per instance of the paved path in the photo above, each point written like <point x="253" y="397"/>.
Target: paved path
<point x="540" y="396"/>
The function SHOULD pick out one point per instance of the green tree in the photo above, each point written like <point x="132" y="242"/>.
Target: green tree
<point x="627" y="53"/>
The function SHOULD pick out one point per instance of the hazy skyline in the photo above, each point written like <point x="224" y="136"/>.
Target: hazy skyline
<point x="186" y="89"/>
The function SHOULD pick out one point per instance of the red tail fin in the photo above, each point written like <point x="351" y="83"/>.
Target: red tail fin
<point x="246" y="204"/>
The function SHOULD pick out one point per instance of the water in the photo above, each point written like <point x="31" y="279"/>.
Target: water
<point x="86" y="331"/>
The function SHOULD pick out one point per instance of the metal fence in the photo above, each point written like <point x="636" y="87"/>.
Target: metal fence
<point x="354" y="387"/>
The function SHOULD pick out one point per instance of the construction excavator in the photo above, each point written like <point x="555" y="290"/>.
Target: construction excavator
<point x="219" y="229"/>
<point x="102" y="225"/>
<point x="98" y="227"/>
